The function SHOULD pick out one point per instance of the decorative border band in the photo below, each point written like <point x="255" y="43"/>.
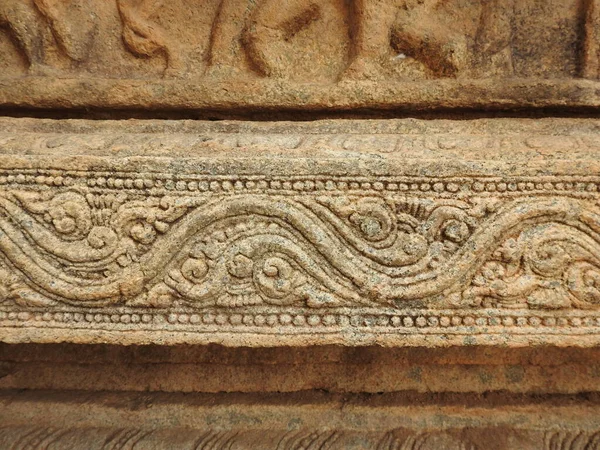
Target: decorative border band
<point x="221" y="250"/>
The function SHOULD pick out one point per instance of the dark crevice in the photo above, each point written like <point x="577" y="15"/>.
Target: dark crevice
<point x="133" y="400"/>
<point x="284" y="114"/>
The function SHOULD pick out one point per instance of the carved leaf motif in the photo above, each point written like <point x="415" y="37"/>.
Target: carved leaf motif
<point x="423" y="441"/>
<point x="571" y="440"/>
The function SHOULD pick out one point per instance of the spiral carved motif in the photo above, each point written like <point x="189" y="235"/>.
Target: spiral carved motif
<point x="76" y="247"/>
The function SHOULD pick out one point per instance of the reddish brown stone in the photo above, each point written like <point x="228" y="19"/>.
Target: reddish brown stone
<point x="296" y="279"/>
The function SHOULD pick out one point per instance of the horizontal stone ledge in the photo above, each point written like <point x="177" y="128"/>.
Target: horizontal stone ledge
<point x="333" y="369"/>
<point x="280" y="95"/>
<point x="165" y="421"/>
<point x="395" y="233"/>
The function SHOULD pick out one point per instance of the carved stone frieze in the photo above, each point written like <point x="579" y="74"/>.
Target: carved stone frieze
<point x="300" y="54"/>
<point x="300" y="224"/>
<point x="298" y="233"/>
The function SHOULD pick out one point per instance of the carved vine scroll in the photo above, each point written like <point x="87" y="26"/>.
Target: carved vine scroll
<point x="221" y="229"/>
<point x="205" y="242"/>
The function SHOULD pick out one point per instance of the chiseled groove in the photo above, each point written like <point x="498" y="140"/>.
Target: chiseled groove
<point x="571" y="440"/>
<point x="30" y="439"/>
<point x="199" y="442"/>
<point x="330" y="440"/>
<point x="124" y="439"/>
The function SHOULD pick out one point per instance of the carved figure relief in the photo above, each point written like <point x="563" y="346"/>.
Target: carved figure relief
<point x="72" y="24"/>
<point x="273" y="22"/>
<point x="144" y="37"/>
<point x="238" y="37"/>
<point x="226" y="38"/>
<point x="413" y="28"/>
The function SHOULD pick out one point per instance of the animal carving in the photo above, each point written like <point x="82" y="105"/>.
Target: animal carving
<point x="72" y="24"/>
<point x="414" y="28"/>
<point x="143" y="36"/>
<point x="411" y="26"/>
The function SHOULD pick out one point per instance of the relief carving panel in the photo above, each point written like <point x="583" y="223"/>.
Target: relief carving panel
<point x="239" y="242"/>
<point x="211" y="53"/>
<point x="313" y="229"/>
<point x="39" y="28"/>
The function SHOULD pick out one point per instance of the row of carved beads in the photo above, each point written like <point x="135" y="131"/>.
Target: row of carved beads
<point x="301" y="320"/>
<point x="304" y="185"/>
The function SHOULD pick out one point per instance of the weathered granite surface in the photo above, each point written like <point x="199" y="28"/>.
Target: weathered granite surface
<point x="393" y="232"/>
<point x="474" y="372"/>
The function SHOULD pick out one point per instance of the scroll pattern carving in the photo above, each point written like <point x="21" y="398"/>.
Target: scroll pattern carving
<point x="549" y="266"/>
<point x="198" y="242"/>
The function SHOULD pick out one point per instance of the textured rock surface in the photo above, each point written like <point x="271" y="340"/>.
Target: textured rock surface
<point x="58" y="396"/>
<point x="305" y="421"/>
<point x="333" y="369"/>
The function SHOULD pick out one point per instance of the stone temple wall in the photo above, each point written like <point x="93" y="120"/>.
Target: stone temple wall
<point x="302" y="224"/>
